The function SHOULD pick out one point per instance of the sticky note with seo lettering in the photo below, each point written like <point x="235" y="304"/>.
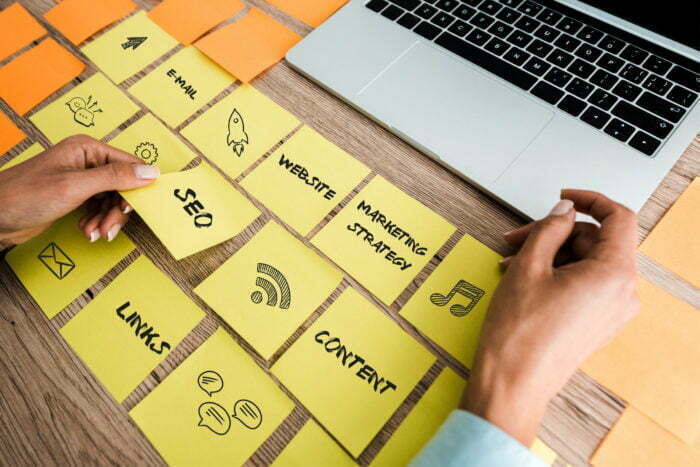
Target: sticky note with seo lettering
<point x="216" y="408"/>
<point x="154" y="144"/>
<point x="95" y="107"/>
<point x="181" y="85"/>
<point x="18" y="28"/>
<point x="352" y="368"/>
<point x="131" y="326"/>
<point x="129" y="47"/>
<point x="239" y="129"/>
<point x="80" y="19"/>
<point x="304" y="179"/>
<point x="450" y="306"/>
<point x="423" y="421"/>
<point x="60" y="264"/>
<point x="10" y="135"/>
<point x="279" y="283"/>
<point x="383" y="238"/>
<point x="25" y="155"/>
<point x="193" y="210"/>
<point x="311" y="442"/>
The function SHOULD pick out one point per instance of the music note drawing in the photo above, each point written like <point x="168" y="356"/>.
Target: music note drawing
<point x="464" y="288"/>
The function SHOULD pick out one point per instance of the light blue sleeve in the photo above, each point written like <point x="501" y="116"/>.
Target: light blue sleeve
<point x="466" y="440"/>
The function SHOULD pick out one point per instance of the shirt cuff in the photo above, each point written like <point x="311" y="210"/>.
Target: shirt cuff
<point x="468" y="440"/>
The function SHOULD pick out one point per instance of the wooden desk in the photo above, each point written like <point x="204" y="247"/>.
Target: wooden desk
<point x="54" y="411"/>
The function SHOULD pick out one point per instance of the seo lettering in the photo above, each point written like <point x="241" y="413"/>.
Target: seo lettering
<point x="194" y="208"/>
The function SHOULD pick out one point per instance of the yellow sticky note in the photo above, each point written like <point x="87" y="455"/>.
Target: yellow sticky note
<point x="451" y="305"/>
<point x="25" y="155"/>
<point x="544" y="452"/>
<point x="312" y="446"/>
<point x="131" y="326"/>
<point x="193" y="210"/>
<point x="424" y="420"/>
<point x="60" y="264"/>
<point x="305" y="179"/>
<point x="129" y="47"/>
<point x="239" y="129"/>
<point x="383" y="238"/>
<point x="674" y="241"/>
<point x="352" y="368"/>
<point x="280" y="282"/>
<point x="216" y="408"/>
<point x="181" y="85"/>
<point x="152" y="142"/>
<point x="95" y="107"/>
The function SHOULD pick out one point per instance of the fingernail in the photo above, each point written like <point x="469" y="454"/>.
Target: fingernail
<point x="562" y="207"/>
<point x="113" y="232"/>
<point x="146" y="172"/>
<point x="94" y="236"/>
<point x="127" y="209"/>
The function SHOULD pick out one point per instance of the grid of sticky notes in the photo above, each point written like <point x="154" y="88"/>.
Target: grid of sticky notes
<point x="193" y="210"/>
<point x="384" y="238"/>
<point x="131" y="326"/>
<point x="216" y="408"/>
<point x="352" y="368"/>
<point x="273" y="260"/>
<point x="60" y="264"/>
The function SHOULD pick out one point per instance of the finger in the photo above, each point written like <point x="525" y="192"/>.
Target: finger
<point x="92" y="225"/>
<point x="618" y="225"/>
<point x="112" y="222"/>
<point x="87" y="153"/>
<point x="83" y="184"/>
<point x="125" y="206"/>
<point x="547" y="237"/>
<point x="517" y="237"/>
<point x="583" y="239"/>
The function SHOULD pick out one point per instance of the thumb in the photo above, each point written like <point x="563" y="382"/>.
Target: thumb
<point x="547" y="236"/>
<point x="115" y="176"/>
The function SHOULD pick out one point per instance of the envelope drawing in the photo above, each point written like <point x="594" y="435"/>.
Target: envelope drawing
<point x="56" y="260"/>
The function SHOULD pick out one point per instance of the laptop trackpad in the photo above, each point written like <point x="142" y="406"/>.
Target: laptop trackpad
<point x="469" y="119"/>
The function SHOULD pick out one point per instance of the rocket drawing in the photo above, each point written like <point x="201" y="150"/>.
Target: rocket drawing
<point x="237" y="137"/>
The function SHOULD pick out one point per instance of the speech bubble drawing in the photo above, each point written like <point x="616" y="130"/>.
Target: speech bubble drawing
<point x="210" y="382"/>
<point x="248" y="413"/>
<point x="214" y="417"/>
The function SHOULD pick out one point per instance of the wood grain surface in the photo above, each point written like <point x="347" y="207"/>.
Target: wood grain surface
<point x="53" y="411"/>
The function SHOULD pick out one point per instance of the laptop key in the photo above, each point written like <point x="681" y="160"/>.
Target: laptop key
<point x="547" y="92"/>
<point x="602" y="99"/>
<point x="610" y="62"/>
<point x="516" y="56"/>
<point x="442" y="19"/>
<point x="590" y="35"/>
<point x="530" y="8"/>
<point x="611" y="45"/>
<point x="569" y="25"/>
<point x="527" y="24"/>
<point x="579" y="88"/>
<point x="633" y="73"/>
<point x="603" y="79"/>
<point x="478" y="37"/>
<point x="588" y="52"/>
<point x="479" y="57"/>
<point x="536" y="66"/>
<point x="447" y="5"/>
<point x="508" y="15"/>
<point x="560" y="58"/>
<point x="427" y="30"/>
<point x="550" y="17"/>
<point x="572" y="105"/>
<point x="634" y="54"/>
<point x="661" y="107"/>
<point x="426" y="11"/>
<point x="547" y="33"/>
<point x="472" y="2"/>
<point x="392" y="12"/>
<point x="682" y="96"/>
<point x="500" y="29"/>
<point x="657" y="84"/>
<point x="519" y="38"/>
<point x="557" y="77"/>
<point x="657" y="65"/>
<point x="567" y="42"/>
<point x="496" y="46"/>
<point x="409" y="5"/>
<point x="581" y="69"/>
<point x="511" y="3"/>
<point x="642" y="119"/>
<point x="619" y="130"/>
<point x="490" y="7"/>
<point x="644" y="143"/>
<point x="595" y="117"/>
<point x="408" y="20"/>
<point x="685" y="78"/>
<point x="464" y="12"/>
<point x="460" y="28"/>
<point x="482" y="20"/>
<point x="539" y="48"/>
<point x="377" y="5"/>
<point x="627" y="90"/>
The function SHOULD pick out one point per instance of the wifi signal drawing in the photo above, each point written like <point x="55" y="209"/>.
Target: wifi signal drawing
<point x="285" y="295"/>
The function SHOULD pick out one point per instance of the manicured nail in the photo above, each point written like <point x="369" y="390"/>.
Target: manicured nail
<point x="113" y="232"/>
<point x="127" y="209"/>
<point x="146" y="172"/>
<point x="94" y="236"/>
<point x="562" y="207"/>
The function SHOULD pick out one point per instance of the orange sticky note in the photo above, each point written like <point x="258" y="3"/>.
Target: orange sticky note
<point x="674" y="241"/>
<point x="36" y="74"/>
<point x="200" y="16"/>
<point x="653" y="362"/>
<point x="10" y="135"/>
<point x="80" y="19"/>
<point x="312" y="12"/>
<point x="636" y="441"/>
<point x="17" y="29"/>
<point x="249" y="46"/>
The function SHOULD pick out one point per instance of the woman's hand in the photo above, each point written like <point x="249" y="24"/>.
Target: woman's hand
<point x="77" y="170"/>
<point x="569" y="290"/>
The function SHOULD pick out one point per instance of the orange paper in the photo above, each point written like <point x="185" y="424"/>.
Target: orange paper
<point x="636" y="441"/>
<point x="312" y="12"/>
<point x="187" y="21"/>
<point x="675" y="241"/>
<point x="10" y="135"/>
<point x="17" y="29"/>
<point x="36" y="74"/>
<point x="249" y="46"/>
<point x="80" y="19"/>
<point x="653" y="363"/>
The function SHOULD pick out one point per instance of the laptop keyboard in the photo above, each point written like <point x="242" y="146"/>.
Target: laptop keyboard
<point x="612" y="85"/>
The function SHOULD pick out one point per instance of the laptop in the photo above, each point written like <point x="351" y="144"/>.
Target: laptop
<point x="522" y="97"/>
